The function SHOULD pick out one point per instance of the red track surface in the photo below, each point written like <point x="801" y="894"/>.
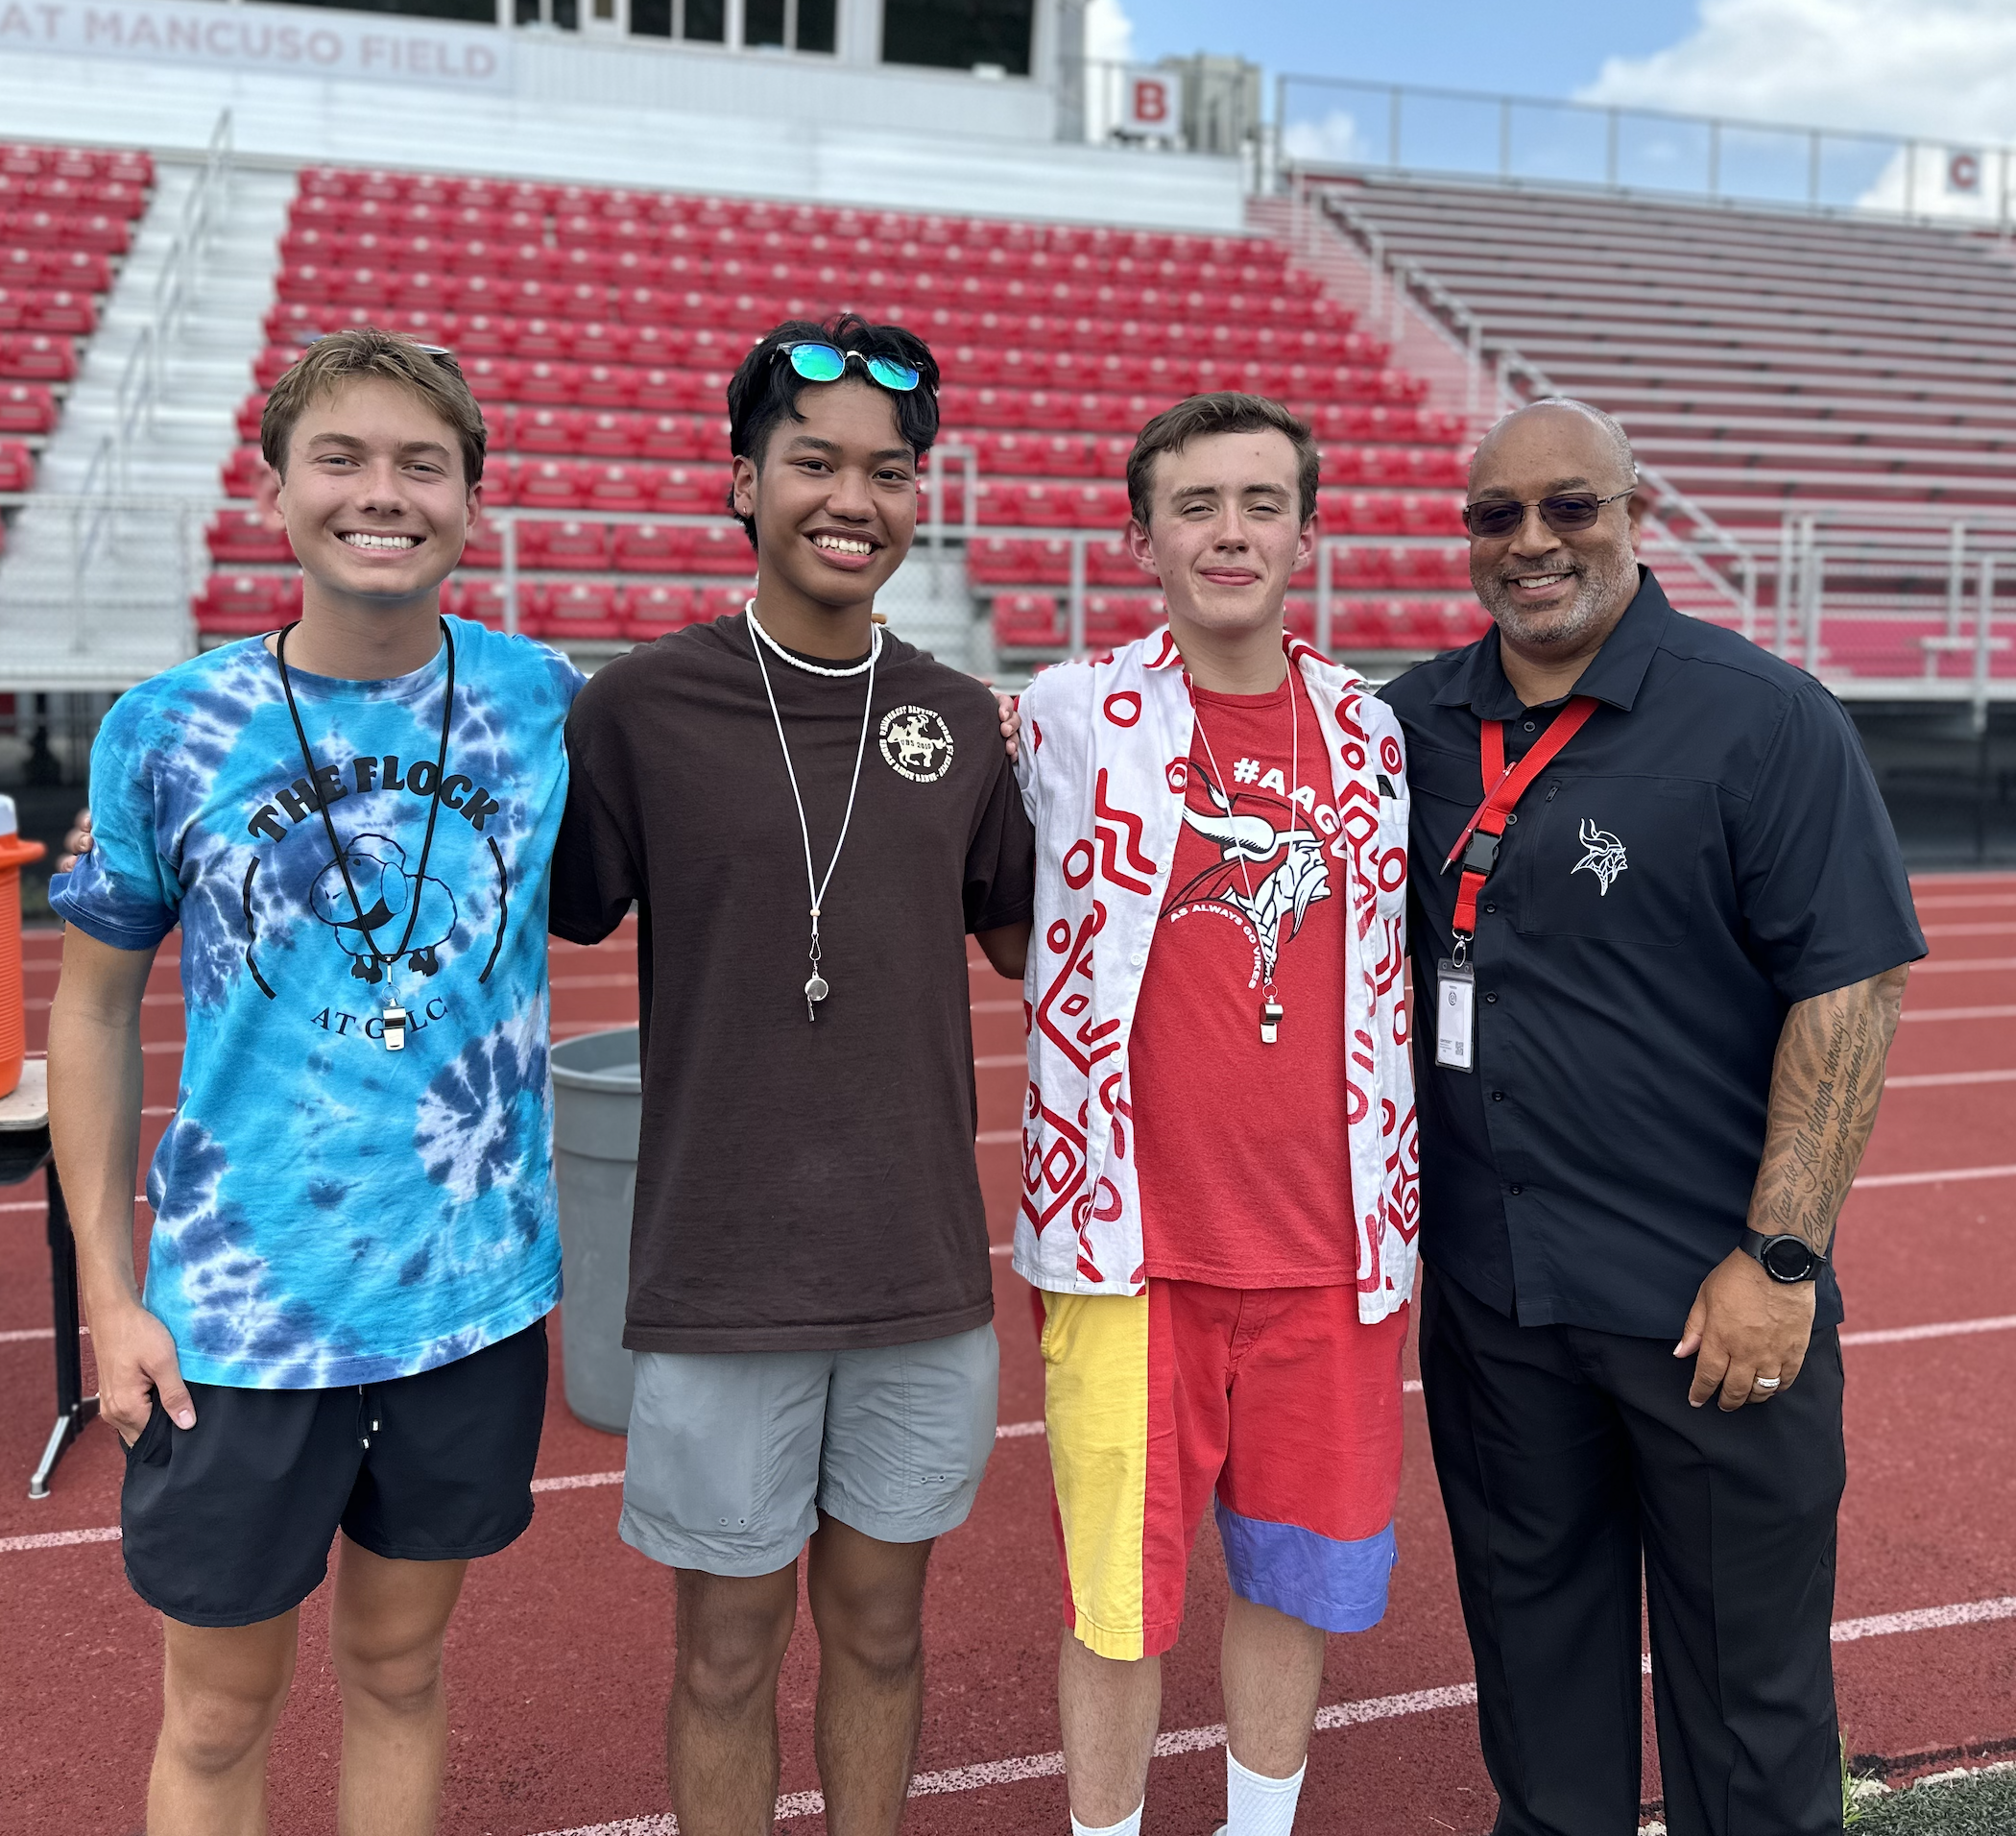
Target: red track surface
<point x="561" y="1656"/>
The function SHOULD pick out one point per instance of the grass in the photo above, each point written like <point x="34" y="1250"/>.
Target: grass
<point x="1978" y="1804"/>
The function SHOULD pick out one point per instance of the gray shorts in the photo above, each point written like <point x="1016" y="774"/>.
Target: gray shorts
<point x="735" y="1455"/>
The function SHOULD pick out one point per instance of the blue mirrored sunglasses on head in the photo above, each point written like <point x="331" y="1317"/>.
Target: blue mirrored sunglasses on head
<point x="828" y="363"/>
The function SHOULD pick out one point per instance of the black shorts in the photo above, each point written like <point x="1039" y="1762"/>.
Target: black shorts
<point x="230" y="1522"/>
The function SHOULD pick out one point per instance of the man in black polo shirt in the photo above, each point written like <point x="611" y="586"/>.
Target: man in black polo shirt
<point x="1655" y="991"/>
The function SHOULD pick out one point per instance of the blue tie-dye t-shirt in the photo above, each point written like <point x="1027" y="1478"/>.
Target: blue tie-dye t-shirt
<point x="328" y="1211"/>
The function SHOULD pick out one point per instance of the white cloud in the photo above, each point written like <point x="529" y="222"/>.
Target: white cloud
<point x="1944" y="67"/>
<point x="1109" y="33"/>
<point x="1334" y="140"/>
<point x="1944" y="70"/>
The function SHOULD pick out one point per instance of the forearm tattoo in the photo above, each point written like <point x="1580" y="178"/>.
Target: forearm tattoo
<point x="1825" y="1082"/>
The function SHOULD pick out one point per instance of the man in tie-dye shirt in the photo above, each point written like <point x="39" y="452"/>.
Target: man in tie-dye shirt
<point x="355" y="1240"/>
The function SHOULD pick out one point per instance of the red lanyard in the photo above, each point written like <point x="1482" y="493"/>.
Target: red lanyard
<point x="1477" y="847"/>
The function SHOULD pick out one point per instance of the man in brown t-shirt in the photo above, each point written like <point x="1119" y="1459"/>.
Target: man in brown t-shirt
<point x="810" y="815"/>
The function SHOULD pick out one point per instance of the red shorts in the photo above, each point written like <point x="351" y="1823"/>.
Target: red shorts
<point x="1279" y="1400"/>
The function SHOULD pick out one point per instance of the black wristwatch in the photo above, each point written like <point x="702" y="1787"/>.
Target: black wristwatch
<point x="1786" y="1259"/>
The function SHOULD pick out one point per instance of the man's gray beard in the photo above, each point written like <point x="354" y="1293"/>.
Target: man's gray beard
<point x="1598" y="590"/>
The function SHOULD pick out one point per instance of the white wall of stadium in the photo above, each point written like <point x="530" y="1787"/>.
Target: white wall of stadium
<point x="320" y="85"/>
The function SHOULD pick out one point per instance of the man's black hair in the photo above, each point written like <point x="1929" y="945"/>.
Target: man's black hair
<point x="764" y="389"/>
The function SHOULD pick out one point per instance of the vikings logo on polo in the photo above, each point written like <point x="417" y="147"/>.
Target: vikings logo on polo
<point x="1604" y="856"/>
<point x="916" y="743"/>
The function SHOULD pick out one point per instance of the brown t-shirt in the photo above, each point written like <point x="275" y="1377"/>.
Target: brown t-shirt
<point x="801" y="1184"/>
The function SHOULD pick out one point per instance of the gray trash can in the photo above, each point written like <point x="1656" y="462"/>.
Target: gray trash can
<point x="597" y="1108"/>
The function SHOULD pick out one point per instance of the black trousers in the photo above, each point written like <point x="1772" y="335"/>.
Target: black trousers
<point x="1569" y="1461"/>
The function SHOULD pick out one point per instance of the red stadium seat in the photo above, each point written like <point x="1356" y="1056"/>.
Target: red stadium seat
<point x="677" y="437"/>
<point x="551" y="339"/>
<point x="1027" y="620"/>
<point x="17" y="466"/>
<point x="619" y="487"/>
<point x="236" y="538"/>
<point x="722" y="550"/>
<point x="999" y="560"/>
<point x="482" y="600"/>
<point x="1107" y="563"/>
<point x="244" y="472"/>
<point x="690" y="491"/>
<point x="484" y="545"/>
<point x="26" y="408"/>
<point x="601" y="385"/>
<point x="550" y="484"/>
<point x="577" y="547"/>
<point x="557" y="383"/>
<point x="654" y="547"/>
<point x="613" y="436"/>
<point x="577" y="611"/>
<point x="719" y="602"/>
<point x="647" y="613"/>
<point x="555" y="430"/>
<point x="1118" y="619"/>
<point x="33" y="356"/>
<point x="238" y="605"/>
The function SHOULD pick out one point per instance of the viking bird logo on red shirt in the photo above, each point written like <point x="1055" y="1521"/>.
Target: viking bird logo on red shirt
<point x="1247" y="841"/>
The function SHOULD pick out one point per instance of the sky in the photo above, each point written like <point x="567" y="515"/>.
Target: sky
<point x="1940" y="68"/>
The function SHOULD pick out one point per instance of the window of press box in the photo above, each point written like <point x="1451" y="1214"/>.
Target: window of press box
<point x="697" y="21"/>
<point x="481" y="13"/>
<point x="563" y="14"/>
<point x="799" y="25"/>
<point x="956" y="35"/>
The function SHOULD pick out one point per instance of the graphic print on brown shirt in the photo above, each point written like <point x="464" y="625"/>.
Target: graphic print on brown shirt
<point x="801" y="1184"/>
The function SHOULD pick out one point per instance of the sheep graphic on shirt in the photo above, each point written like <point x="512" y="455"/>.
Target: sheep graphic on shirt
<point x="376" y="922"/>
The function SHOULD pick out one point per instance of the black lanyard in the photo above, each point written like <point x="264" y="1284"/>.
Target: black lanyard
<point x="321" y="802"/>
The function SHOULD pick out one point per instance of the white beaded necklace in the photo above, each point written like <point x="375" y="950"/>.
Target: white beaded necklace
<point x="816" y="989"/>
<point x="874" y="649"/>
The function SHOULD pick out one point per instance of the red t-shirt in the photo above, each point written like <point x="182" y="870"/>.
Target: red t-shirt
<point x="1245" y="1177"/>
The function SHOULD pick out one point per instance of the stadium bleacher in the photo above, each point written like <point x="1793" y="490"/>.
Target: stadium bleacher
<point x="1772" y="365"/>
<point x="66" y="220"/>
<point x="599" y="327"/>
<point x="1761" y="358"/>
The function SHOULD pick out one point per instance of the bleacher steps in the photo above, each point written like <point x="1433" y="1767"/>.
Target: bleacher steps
<point x="149" y="560"/>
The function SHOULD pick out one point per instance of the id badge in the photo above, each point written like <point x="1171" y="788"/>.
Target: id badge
<point x="1455" y="1016"/>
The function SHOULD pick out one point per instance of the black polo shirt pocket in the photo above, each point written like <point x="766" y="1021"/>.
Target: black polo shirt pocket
<point x="1614" y="858"/>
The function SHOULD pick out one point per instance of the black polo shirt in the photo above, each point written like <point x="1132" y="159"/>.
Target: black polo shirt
<point x="1598" y="1161"/>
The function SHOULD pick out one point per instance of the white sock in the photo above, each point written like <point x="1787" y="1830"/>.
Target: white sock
<point x="1126" y="1826"/>
<point x="1256" y="1805"/>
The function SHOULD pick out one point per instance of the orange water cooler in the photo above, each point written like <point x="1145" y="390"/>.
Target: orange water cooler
<point x="14" y="855"/>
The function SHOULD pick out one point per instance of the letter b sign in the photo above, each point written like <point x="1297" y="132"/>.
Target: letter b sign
<point x="1154" y="103"/>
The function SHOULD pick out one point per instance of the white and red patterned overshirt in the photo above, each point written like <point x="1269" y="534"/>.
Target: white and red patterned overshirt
<point x="1103" y="761"/>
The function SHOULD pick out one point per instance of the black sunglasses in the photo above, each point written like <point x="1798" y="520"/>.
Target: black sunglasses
<point x="1563" y="513"/>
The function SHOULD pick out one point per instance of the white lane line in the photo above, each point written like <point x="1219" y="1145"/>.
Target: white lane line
<point x="1374" y="1708"/>
<point x="1955" y="967"/>
<point x="1927" y="1080"/>
<point x="576" y="1482"/>
<point x="1967" y="900"/>
<point x="59" y="1539"/>
<point x="1002" y="1061"/>
<point x="1969" y="930"/>
<point x="998" y="1137"/>
<point x="1958" y="1013"/>
<point x="1925" y="1619"/>
<point x="1938" y="1177"/>
<point x="1943" y="1329"/>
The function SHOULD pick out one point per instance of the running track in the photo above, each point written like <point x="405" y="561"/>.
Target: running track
<point x="560" y="1660"/>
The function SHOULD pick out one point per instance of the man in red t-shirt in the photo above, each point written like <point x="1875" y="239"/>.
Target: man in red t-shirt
<point x="1233" y="808"/>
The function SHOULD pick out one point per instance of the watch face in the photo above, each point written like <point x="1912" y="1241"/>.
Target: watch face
<point x="1789" y="1259"/>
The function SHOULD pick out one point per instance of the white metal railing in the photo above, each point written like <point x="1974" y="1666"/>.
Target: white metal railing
<point x="1923" y="589"/>
<point x="142" y="377"/>
<point x="1346" y="123"/>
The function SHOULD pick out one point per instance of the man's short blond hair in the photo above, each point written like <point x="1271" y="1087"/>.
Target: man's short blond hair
<point x="366" y="353"/>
